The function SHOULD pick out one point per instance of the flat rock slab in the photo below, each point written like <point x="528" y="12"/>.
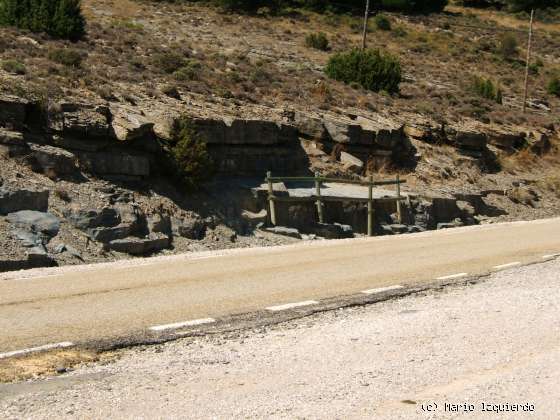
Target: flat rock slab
<point x="285" y="231"/>
<point x="35" y="221"/>
<point x="140" y="246"/>
<point x="16" y="199"/>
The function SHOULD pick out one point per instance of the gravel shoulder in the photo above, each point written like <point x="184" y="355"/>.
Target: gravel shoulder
<point x="495" y="342"/>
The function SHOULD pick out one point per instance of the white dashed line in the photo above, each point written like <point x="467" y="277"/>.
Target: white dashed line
<point x="509" y="265"/>
<point x="453" y="276"/>
<point x="178" y="325"/>
<point x="46" y="347"/>
<point x="382" y="289"/>
<point x="291" y="305"/>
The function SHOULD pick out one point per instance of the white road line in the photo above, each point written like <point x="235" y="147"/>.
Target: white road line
<point x="291" y="305"/>
<point x="453" y="276"/>
<point x="54" y="346"/>
<point x="382" y="289"/>
<point x="178" y="325"/>
<point x="509" y="265"/>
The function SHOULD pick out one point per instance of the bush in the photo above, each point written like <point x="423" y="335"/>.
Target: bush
<point x="553" y="87"/>
<point x="189" y="154"/>
<point x="67" y="57"/>
<point x="189" y="71"/>
<point x="371" y="69"/>
<point x="169" y="62"/>
<point x="527" y="5"/>
<point x="319" y="41"/>
<point x="415" y="6"/>
<point x="13" y="66"/>
<point x="508" y="47"/>
<point x="382" y="23"/>
<point x="59" y="18"/>
<point x="486" y="89"/>
<point x="332" y="6"/>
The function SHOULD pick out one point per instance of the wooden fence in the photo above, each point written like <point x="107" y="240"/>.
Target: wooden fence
<point x="320" y="199"/>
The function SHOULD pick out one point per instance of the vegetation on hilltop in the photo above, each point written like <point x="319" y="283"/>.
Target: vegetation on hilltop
<point x="59" y="18"/>
<point x="371" y="69"/>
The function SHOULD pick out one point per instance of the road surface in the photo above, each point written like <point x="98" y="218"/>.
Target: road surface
<point x="495" y="343"/>
<point x="80" y="304"/>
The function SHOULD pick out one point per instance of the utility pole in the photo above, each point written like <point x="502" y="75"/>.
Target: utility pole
<point x="366" y="18"/>
<point x="528" y="60"/>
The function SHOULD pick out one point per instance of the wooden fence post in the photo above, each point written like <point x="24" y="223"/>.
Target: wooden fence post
<point x="528" y="62"/>
<point x="399" y="212"/>
<point x="370" y="207"/>
<point x="319" y="202"/>
<point x="271" y="198"/>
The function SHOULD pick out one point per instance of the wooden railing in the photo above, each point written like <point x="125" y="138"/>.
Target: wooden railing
<point x="320" y="199"/>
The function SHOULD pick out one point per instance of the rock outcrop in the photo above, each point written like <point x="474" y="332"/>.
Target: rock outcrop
<point x="14" y="199"/>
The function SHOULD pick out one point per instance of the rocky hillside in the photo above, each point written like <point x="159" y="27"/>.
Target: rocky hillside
<point x="84" y="170"/>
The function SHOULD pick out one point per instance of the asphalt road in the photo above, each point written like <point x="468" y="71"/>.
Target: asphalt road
<point x="89" y="303"/>
<point x="488" y="349"/>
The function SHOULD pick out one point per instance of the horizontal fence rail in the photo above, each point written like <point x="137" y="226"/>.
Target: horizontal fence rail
<point x="320" y="199"/>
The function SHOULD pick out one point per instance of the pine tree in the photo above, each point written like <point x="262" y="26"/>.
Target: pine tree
<point x="68" y="21"/>
<point x="59" y="18"/>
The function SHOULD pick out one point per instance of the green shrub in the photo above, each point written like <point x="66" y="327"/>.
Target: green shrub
<point x="319" y="41"/>
<point x="169" y="62"/>
<point x="67" y="57"/>
<point x="527" y="5"/>
<point x="332" y="6"/>
<point x="371" y="69"/>
<point x="382" y="23"/>
<point x="486" y="89"/>
<point x="13" y="66"/>
<point x="189" y="154"/>
<point x="189" y="71"/>
<point x="59" y="18"/>
<point x="553" y="87"/>
<point x="414" y="6"/>
<point x="508" y="47"/>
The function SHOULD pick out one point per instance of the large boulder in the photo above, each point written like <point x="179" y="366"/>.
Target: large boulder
<point x="140" y="246"/>
<point x="341" y="130"/>
<point x="284" y="231"/>
<point x="54" y="161"/>
<point x="12" y="111"/>
<point x="309" y="126"/>
<point x="190" y="228"/>
<point x="116" y="163"/>
<point x="384" y="132"/>
<point x="12" y="143"/>
<point x="85" y="219"/>
<point x="128" y="124"/>
<point x="159" y="223"/>
<point x="80" y="121"/>
<point x="14" y="199"/>
<point x="471" y="140"/>
<point x="506" y="140"/>
<point x="351" y="163"/>
<point x="332" y="231"/>
<point x="539" y="143"/>
<point x="232" y="131"/>
<point x="35" y="221"/>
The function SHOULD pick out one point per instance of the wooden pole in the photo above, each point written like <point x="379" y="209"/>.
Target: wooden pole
<point x="271" y="198"/>
<point x="319" y="202"/>
<point x="366" y="19"/>
<point x="399" y="212"/>
<point x="370" y="207"/>
<point x="529" y="44"/>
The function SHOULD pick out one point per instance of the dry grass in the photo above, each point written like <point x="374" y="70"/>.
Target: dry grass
<point x="21" y="368"/>
<point x="265" y="60"/>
